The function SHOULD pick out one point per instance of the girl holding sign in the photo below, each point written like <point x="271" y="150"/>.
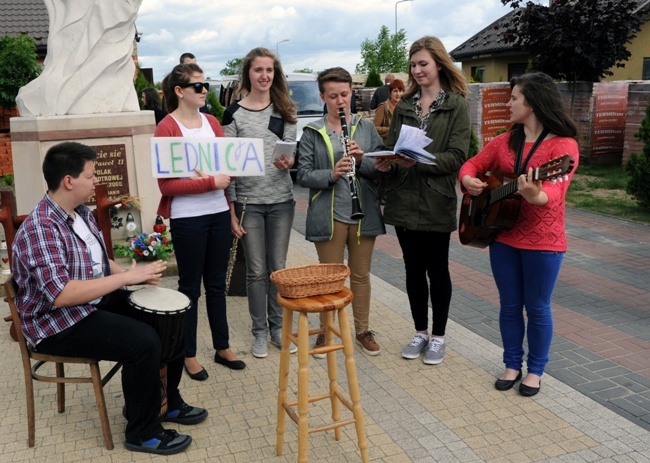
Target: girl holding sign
<point x="266" y="112"/>
<point x="200" y="218"/>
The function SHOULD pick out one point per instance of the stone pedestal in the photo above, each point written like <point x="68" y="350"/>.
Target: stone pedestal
<point x="122" y="139"/>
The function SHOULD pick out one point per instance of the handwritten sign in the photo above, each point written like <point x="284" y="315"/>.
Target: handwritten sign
<point x="110" y="169"/>
<point x="179" y="156"/>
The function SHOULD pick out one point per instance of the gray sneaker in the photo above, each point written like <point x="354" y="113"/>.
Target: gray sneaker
<point x="434" y="353"/>
<point x="260" y="347"/>
<point x="276" y="340"/>
<point x="415" y="348"/>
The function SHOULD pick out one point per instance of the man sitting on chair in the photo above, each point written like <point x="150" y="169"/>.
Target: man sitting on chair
<point x="71" y="301"/>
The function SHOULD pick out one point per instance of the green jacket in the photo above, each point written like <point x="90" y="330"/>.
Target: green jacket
<point x="317" y="160"/>
<point x="423" y="197"/>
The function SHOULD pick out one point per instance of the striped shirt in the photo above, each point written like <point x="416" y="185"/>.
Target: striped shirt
<point x="275" y="186"/>
<point x="47" y="254"/>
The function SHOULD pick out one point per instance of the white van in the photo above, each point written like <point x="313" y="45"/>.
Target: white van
<point x="303" y="90"/>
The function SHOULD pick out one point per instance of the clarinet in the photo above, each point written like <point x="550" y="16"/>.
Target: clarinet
<point x="357" y="213"/>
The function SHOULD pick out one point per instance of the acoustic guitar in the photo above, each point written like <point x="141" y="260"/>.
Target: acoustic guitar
<point x="497" y="207"/>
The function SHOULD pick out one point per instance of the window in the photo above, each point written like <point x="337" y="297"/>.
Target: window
<point x="646" y="69"/>
<point x="516" y="69"/>
<point x="478" y="73"/>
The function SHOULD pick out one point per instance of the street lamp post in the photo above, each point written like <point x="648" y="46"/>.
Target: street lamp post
<point x="277" y="51"/>
<point x="400" y="1"/>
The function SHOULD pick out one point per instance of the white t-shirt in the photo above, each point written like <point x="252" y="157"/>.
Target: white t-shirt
<point x="210" y="202"/>
<point x="96" y="255"/>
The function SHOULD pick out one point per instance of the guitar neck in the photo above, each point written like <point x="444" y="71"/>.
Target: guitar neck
<point x="503" y="192"/>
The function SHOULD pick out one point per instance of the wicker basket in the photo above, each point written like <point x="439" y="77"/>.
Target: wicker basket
<point x="310" y="280"/>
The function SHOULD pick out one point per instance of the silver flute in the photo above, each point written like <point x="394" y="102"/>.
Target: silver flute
<point x="233" y="250"/>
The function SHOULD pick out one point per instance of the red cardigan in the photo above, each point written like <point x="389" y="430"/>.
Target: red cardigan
<point x="170" y="187"/>
<point x="539" y="228"/>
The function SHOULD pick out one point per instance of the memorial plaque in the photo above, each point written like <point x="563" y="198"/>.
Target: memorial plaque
<point x="110" y="169"/>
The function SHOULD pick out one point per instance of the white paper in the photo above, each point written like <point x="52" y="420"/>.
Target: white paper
<point x="284" y="147"/>
<point x="410" y="145"/>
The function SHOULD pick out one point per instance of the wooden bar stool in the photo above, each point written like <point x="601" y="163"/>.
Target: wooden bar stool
<point x="325" y="304"/>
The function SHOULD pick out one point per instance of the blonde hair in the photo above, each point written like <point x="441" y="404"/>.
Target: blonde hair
<point x="451" y="79"/>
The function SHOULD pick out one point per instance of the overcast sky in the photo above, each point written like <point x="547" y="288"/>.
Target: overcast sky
<point x="321" y="34"/>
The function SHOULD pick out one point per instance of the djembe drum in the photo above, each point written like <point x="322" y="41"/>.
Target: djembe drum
<point x="166" y="311"/>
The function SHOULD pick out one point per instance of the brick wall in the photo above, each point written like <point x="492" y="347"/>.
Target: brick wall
<point x="5" y="115"/>
<point x="6" y="163"/>
<point x="638" y="101"/>
<point x="583" y="113"/>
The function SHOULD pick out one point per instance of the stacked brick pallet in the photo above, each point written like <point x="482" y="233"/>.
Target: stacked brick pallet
<point x="6" y="165"/>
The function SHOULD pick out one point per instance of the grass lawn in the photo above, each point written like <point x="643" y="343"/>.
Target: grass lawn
<point x="602" y="189"/>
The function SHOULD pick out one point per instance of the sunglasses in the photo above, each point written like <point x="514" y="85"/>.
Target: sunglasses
<point x="197" y="86"/>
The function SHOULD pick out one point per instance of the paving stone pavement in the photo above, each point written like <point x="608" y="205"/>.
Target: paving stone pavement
<point x="594" y="405"/>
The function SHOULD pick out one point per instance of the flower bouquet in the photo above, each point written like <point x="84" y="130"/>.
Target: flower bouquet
<point x="152" y="246"/>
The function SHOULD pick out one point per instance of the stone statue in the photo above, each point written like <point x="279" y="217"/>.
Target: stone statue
<point x="88" y="68"/>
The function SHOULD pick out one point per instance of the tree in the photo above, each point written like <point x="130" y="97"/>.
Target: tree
<point x="304" y="71"/>
<point x="388" y="53"/>
<point x="140" y="83"/>
<point x="574" y="40"/>
<point x="214" y="106"/>
<point x="233" y="67"/>
<point x="638" y="166"/>
<point x="18" y="67"/>
<point x="374" y="79"/>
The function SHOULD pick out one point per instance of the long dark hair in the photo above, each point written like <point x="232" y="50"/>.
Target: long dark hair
<point x="180" y="75"/>
<point x="543" y="97"/>
<point x="151" y="99"/>
<point x="279" y="90"/>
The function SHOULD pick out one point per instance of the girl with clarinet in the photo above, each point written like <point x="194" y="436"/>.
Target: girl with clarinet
<point x="342" y="189"/>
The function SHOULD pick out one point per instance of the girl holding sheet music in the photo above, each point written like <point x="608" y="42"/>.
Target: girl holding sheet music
<point x="421" y="199"/>
<point x="266" y="112"/>
<point x="199" y="218"/>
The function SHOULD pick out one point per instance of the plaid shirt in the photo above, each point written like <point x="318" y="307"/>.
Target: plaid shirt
<point x="46" y="255"/>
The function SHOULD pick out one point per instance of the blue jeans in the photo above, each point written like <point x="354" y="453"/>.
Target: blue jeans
<point x="202" y="248"/>
<point x="266" y="242"/>
<point x="525" y="279"/>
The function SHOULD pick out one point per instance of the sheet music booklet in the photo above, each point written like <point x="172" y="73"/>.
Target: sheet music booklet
<point x="410" y="145"/>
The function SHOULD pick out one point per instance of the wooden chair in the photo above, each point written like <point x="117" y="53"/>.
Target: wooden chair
<point x="31" y="374"/>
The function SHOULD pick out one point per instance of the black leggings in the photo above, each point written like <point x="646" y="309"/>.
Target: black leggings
<point x="426" y="253"/>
